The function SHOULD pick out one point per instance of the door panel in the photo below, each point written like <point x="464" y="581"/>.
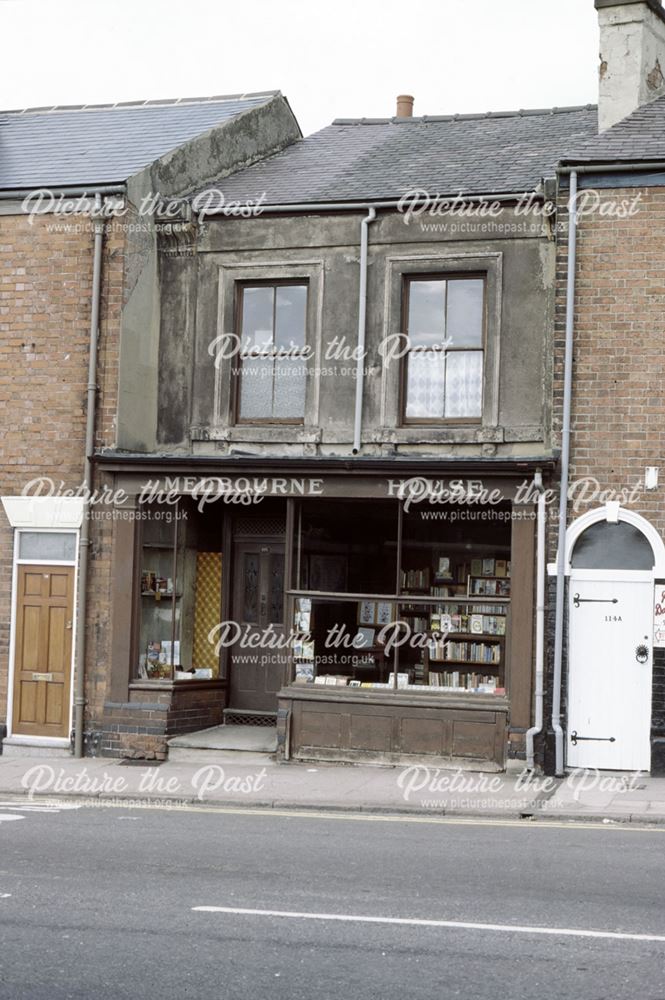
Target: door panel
<point x="42" y="663"/>
<point x="609" y="689"/>
<point x="258" y="602"/>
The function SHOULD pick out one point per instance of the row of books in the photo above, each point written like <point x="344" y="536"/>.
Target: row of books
<point x="480" y="624"/>
<point x="486" y="587"/>
<point x="416" y="579"/>
<point x="461" y="681"/>
<point x="489" y="567"/>
<point x="469" y="652"/>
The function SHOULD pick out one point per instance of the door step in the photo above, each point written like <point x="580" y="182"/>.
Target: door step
<point x="12" y="747"/>
<point x="241" y="744"/>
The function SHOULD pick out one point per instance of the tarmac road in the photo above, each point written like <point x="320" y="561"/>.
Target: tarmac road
<point x="114" y="902"/>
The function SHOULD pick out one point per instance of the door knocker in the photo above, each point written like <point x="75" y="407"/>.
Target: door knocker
<point x="642" y="654"/>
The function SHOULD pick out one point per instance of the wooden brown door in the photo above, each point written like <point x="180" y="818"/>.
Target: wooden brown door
<point x="43" y="651"/>
<point x="257" y="672"/>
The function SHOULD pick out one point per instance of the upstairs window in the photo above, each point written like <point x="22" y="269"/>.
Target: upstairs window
<point x="443" y="368"/>
<point x="272" y="331"/>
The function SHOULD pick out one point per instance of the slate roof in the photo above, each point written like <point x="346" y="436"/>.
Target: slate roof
<point x="640" y="136"/>
<point x="381" y="159"/>
<point x="104" y="144"/>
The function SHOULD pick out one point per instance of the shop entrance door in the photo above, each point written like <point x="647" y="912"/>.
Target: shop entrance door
<point x="43" y="651"/>
<point x="257" y="666"/>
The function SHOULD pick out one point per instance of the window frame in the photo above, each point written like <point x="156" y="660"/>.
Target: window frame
<point x="236" y="383"/>
<point x="406" y="280"/>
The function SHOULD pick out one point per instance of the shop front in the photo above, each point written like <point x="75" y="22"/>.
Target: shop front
<point x="378" y="613"/>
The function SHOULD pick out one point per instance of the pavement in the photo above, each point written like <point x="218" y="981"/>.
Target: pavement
<point x="256" y="781"/>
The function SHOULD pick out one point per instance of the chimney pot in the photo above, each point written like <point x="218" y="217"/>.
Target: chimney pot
<point x="404" y="106"/>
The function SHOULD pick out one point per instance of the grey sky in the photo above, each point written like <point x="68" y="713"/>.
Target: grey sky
<point x="331" y="58"/>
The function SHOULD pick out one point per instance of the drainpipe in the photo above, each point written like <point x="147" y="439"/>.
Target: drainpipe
<point x="540" y="621"/>
<point x="362" y="314"/>
<point x="565" y="463"/>
<point x="84" y="542"/>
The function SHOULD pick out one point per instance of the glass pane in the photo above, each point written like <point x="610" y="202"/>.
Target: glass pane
<point x="612" y="546"/>
<point x="256" y="388"/>
<point x="465" y="313"/>
<point x="257" y="304"/>
<point x="46" y="545"/>
<point x="464" y="383"/>
<point x="290" y="315"/>
<point x="427" y="313"/>
<point x="276" y="583"/>
<point x="425" y="381"/>
<point x="289" y="389"/>
<point x="251" y="587"/>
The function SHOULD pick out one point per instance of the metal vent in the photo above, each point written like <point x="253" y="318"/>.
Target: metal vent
<point x="260" y="526"/>
<point x="249" y="718"/>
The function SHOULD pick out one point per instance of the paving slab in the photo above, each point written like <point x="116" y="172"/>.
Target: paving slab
<point x="259" y="781"/>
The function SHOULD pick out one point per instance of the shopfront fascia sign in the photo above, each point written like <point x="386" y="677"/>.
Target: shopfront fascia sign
<point x="411" y="489"/>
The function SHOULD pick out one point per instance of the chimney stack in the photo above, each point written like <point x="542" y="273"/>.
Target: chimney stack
<point x="632" y="57"/>
<point x="404" y="106"/>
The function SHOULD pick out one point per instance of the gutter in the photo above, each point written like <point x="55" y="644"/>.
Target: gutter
<point x="612" y="168"/>
<point x="114" y="461"/>
<point x="565" y="464"/>
<point x="20" y="193"/>
<point x="364" y="206"/>
<point x="84" y="541"/>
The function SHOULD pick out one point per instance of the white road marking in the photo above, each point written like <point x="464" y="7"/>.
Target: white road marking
<point x="415" y="922"/>
<point x="5" y="895"/>
<point x="33" y="809"/>
<point x="7" y="817"/>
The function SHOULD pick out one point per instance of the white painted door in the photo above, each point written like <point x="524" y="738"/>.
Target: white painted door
<point x="610" y="671"/>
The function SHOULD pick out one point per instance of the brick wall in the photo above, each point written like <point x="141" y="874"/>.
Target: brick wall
<point x="618" y="405"/>
<point x="140" y="728"/>
<point x="45" y="289"/>
<point x="618" y="409"/>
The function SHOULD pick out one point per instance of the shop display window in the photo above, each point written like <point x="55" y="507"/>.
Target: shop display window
<point x="443" y="628"/>
<point x="179" y="592"/>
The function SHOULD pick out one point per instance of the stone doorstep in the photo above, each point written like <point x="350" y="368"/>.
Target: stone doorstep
<point x="17" y="748"/>
<point x="238" y="739"/>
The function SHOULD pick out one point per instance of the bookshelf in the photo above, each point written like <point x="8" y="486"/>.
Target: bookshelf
<point x="463" y="622"/>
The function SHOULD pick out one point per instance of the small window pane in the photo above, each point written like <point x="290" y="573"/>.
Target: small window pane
<point x="251" y="587"/>
<point x="612" y="546"/>
<point x="427" y="313"/>
<point x="425" y="383"/>
<point x="256" y="388"/>
<point x="276" y="615"/>
<point x="289" y="389"/>
<point x="47" y="545"/>
<point x="257" y="305"/>
<point x="290" y="315"/>
<point x="465" y="313"/>
<point x="464" y="383"/>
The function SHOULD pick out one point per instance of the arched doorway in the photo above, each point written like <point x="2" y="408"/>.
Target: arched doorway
<point x="613" y="557"/>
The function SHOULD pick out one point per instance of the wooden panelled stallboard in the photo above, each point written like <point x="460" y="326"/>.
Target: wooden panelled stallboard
<point x="393" y="728"/>
<point x="43" y="651"/>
